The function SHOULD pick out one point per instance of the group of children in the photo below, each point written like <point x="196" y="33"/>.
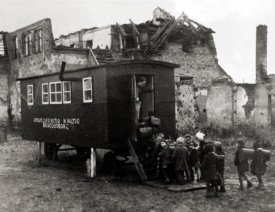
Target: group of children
<point x="187" y="159"/>
<point x="257" y="166"/>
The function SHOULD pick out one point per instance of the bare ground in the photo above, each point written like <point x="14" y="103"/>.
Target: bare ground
<point x="64" y="186"/>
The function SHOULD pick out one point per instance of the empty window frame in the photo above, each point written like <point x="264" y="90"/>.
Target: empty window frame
<point x="27" y="43"/>
<point x="87" y="86"/>
<point x="15" y="47"/>
<point x="38" y="41"/>
<point x="30" y="94"/>
<point x="66" y="92"/>
<point x="45" y="93"/>
<point x="55" y="93"/>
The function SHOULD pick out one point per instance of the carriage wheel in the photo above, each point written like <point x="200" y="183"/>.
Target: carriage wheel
<point x="51" y="151"/>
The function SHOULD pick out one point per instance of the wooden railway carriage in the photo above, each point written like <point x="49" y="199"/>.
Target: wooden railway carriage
<point x="94" y="107"/>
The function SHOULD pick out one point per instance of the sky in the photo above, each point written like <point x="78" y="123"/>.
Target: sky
<point x="234" y="22"/>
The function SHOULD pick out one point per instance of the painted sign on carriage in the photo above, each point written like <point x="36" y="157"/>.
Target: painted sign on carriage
<point x="57" y="123"/>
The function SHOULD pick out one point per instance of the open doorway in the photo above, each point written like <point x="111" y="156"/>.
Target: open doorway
<point x="144" y="94"/>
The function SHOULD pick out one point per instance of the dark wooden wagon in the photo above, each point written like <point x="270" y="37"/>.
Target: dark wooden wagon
<point x="94" y="107"/>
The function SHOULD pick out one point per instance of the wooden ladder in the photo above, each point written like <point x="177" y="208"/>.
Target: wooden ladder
<point x="136" y="161"/>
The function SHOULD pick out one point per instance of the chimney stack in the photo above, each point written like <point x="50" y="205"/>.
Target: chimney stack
<point x="261" y="54"/>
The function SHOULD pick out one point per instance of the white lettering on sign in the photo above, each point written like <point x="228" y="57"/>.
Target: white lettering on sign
<point x="56" y="123"/>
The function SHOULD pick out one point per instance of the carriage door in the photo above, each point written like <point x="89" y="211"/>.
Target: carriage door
<point x="143" y="92"/>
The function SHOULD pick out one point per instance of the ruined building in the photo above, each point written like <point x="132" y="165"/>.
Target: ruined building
<point x="245" y="107"/>
<point x="182" y="41"/>
<point x="32" y="50"/>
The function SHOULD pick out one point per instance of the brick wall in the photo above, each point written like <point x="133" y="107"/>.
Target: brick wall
<point x="4" y="70"/>
<point x="47" y="61"/>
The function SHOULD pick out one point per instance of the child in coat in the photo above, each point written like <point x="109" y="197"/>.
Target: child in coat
<point x="258" y="164"/>
<point x="210" y="173"/>
<point x="165" y="160"/>
<point x="180" y="158"/>
<point x="220" y="165"/>
<point x="242" y="165"/>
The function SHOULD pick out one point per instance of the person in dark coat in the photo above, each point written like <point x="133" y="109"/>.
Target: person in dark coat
<point x="165" y="160"/>
<point x="180" y="158"/>
<point x="193" y="161"/>
<point x="242" y="165"/>
<point x="220" y="165"/>
<point x="210" y="173"/>
<point x="258" y="164"/>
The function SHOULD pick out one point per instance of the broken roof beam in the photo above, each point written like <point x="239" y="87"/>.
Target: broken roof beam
<point x="135" y="30"/>
<point x="168" y="30"/>
<point x="202" y="27"/>
<point x="162" y="30"/>
<point x="121" y="30"/>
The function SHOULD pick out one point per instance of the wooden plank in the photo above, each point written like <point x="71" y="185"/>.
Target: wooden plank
<point x="138" y="165"/>
<point x="177" y="188"/>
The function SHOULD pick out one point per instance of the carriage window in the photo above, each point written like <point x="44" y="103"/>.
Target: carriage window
<point x="55" y="93"/>
<point x="30" y="94"/>
<point x="66" y="92"/>
<point x="45" y="93"/>
<point x="87" y="89"/>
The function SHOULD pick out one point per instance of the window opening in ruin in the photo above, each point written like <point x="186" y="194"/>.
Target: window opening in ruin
<point x="89" y="44"/>
<point x="55" y="93"/>
<point x="45" y="93"/>
<point x="30" y="94"/>
<point x="38" y="40"/>
<point x="2" y="49"/>
<point x="130" y="42"/>
<point x="66" y="92"/>
<point x="15" y="47"/>
<point x="27" y="43"/>
<point x="87" y="89"/>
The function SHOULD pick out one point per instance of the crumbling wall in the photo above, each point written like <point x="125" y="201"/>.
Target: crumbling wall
<point x="74" y="59"/>
<point x="93" y="38"/>
<point x="244" y="97"/>
<point x="22" y="65"/>
<point x="200" y="105"/>
<point x="201" y="64"/>
<point x="4" y="101"/>
<point x="47" y="61"/>
<point x="261" y="105"/>
<point x="186" y="113"/>
<point x="219" y="106"/>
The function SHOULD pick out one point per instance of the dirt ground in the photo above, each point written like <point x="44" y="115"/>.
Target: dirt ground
<point x="63" y="185"/>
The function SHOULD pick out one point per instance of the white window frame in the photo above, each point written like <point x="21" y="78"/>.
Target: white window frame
<point x="30" y="95"/>
<point x="91" y="89"/>
<point x="45" y="93"/>
<point x="55" y="92"/>
<point x="69" y="91"/>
